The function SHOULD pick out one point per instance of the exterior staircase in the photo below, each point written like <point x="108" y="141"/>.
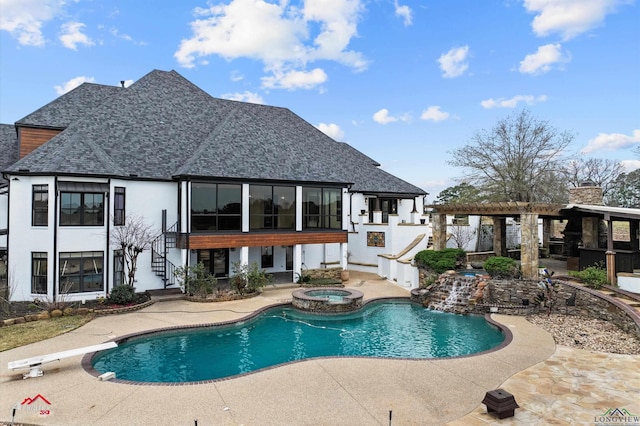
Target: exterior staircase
<point x="160" y="246"/>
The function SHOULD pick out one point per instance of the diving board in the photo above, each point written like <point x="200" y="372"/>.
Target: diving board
<point x="34" y="363"/>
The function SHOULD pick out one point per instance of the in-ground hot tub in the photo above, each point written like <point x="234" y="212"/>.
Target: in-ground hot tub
<point x="327" y="299"/>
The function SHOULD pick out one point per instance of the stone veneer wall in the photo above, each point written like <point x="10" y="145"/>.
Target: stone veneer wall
<point x="333" y="273"/>
<point x="588" y="303"/>
<point x="518" y="297"/>
<point x="586" y="195"/>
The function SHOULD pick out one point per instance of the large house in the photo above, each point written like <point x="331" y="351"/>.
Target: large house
<point x="219" y="181"/>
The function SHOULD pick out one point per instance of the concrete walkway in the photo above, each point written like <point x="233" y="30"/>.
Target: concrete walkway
<point x="328" y="391"/>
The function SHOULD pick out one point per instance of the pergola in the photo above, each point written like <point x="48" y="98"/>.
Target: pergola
<point x="587" y="216"/>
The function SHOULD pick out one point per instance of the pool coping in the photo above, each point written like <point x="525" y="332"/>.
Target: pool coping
<point x="87" y="359"/>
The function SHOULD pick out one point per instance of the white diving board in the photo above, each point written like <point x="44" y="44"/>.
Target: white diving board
<point x="34" y="363"/>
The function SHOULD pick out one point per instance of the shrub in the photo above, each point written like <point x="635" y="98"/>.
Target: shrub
<point x="440" y="260"/>
<point x="197" y="280"/>
<point x="593" y="276"/>
<point x="501" y="267"/>
<point x="249" y="278"/>
<point x="122" y="295"/>
<point x="303" y="278"/>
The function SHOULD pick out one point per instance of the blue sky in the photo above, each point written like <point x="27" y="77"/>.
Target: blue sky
<point x="403" y="81"/>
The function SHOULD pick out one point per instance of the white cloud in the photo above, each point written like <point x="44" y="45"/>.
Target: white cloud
<point x="127" y="83"/>
<point x="24" y="19"/>
<point x="630" y="165"/>
<point x="246" y="96"/>
<point x="453" y="63"/>
<point x="114" y="32"/>
<point x="383" y="117"/>
<point x="72" y="84"/>
<point x="433" y="113"/>
<point x="72" y="35"/>
<point x="403" y="12"/>
<point x="569" y="18"/>
<point x="512" y="102"/>
<point x="332" y="130"/>
<point x="543" y="60"/>
<point x="245" y="28"/>
<point x="612" y="142"/>
<point x="294" y="79"/>
<point x="237" y="75"/>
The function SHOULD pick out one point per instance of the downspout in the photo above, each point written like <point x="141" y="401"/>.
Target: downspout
<point x="188" y="221"/>
<point x="55" y="237"/>
<point x="108" y="255"/>
<point x="353" y="224"/>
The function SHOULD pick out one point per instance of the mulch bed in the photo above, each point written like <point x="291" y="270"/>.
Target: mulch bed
<point x="23" y="309"/>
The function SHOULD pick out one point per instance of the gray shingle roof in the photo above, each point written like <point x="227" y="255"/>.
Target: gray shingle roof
<point x="8" y="147"/>
<point x="69" y="107"/>
<point x="163" y="126"/>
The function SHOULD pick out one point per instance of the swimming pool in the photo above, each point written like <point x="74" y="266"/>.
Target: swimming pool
<point x="389" y="329"/>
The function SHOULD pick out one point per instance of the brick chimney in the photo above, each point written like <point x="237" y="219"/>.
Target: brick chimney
<point x="587" y="193"/>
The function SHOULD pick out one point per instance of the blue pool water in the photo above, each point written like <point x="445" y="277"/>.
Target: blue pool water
<point x="395" y="329"/>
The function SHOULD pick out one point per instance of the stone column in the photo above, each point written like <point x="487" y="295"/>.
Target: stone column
<point x="499" y="236"/>
<point x="590" y="232"/>
<point x="529" y="245"/>
<point x="546" y="235"/>
<point x="439" y="231"/>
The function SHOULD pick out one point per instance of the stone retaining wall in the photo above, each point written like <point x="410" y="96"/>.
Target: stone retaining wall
<point x="519" y="297"/>
<point x="333" y="273"/>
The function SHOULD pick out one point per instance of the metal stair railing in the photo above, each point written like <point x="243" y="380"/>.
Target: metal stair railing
<point x="160" y="246"/>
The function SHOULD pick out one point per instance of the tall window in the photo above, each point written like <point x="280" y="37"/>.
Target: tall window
<point x="40" y="205"/>
<point x="118" y="206"/>
<point x="267" y="257"/>
<point x="81" y="208"/>
<point x="81" y="272"/>
<point x="272" y="207"/>
<point x="39" y="273"/>
<point x="216" y="207"/>
<point x="118" y="268"/>
<point x="322" y="208"/>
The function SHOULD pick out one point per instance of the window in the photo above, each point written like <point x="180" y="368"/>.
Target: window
<point x="81" y="272"/>
<point x="267" y="257"/>
<point x="216" y="207"/>
<point x="322" y="208"/>
<point x="118" y="268"/>
<point x="118" y="206"/>
<point x="386" y="205"/>
<point x="39" y="273"/>
<point x="40" y="205"/>
<point x="81" y="208"/>
<point x="272" y="207"/>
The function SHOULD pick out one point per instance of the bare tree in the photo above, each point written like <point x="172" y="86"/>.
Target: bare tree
<point x="600" y="171"/>
<point x="520" y="159"/>
<point x="462" y="235"/>
<point x="134" y="237"/>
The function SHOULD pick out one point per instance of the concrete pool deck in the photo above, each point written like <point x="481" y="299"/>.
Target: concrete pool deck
<point x="551" y="384"/>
